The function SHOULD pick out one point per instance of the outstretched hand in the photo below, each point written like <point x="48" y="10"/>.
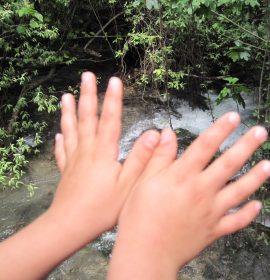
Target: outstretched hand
<point x="181" y="206"/>
<point x="177" y="207"/>
<point x="94" y="184"/>
<point x="93" y="187"/>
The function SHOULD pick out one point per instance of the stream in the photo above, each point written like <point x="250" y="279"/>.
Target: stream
<point x="239" y="256"/>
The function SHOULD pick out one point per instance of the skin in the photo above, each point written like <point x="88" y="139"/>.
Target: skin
<point x="179" y="207"/>
<point x="168" y="210"/>
<point x="93" y="187"/>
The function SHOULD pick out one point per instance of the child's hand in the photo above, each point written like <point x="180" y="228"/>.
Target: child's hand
<point x="92" y="190"/>
<point x="180" y="207"/>
<point x="95" y="185"/>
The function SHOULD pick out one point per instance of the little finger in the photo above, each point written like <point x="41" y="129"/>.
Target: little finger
<point x="238" y="220"/>
<point x="223" y="168"/>
<point x="59" y="151"/>
<point x="69" y="124"/>
<point x="235" y="193"/>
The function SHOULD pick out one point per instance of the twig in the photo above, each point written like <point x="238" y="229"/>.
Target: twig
<point x="260" y="86"/>
<point x="24" y="91"/>
<point x="102" y="27"/>
<point x="68" y="24"/>
<point x="253" y="46"/>
<point x="93" y="60"/>
<point x="10" y="59"/>
<point x="101" y="30"/>
<point x="204" y="77"/>
<point x="238" y="25"/>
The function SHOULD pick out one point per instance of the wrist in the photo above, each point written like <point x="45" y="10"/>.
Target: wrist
<point x="36" y="249"/>
<point x="137" y="256"/>
<point x="78" y="227"/>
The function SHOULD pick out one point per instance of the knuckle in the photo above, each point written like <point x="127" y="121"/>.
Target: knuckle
<point x="229" y="162"/>
<point x="214" y="234"/>
<point x="108" y="116"/>
<point x="201" y="197"/>
<point x="240" y="223"/>
<point x="207" y="141"/>
<point x="239" y="194"/>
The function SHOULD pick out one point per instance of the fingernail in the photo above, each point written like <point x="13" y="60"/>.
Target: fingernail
<point x="65" y="98"/>
<point x="113" y="81"/>
<point x="57" y="136"/>
<point x="266" y="167"/>
<point x="166" y="136"/>
<point x="258" y="206"/>
<point x="151" y="139"/>
<point x="260" y="134"/>
<point x="86" y="77"/>
<point x="234" y="118"/>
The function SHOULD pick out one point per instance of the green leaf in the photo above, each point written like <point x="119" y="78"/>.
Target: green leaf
<point x="26" y="11"/>
<point x="21" y="29"/>
<point x="234" y="55"/>
<point x="244" y="55"/>
<point x="252" y="3"/>
<point x="174" y="5"/>
<point x="225" y="92"/>
<point x="137" y="3"/>
<point x="266" y="146"/>
<point x="38" y="16"/>
<point x="152" y="4"/>
<point x="34" y="24"/>
<point x="190" y="11"/>
<point x="239" y="99"/>
<point x="238" y="43"/>
<point x="231" y="80"/>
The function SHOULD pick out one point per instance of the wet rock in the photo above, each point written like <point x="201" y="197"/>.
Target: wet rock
<point x="87" y="264"/>
<point x="105" y="242"/>
<point x="17" y="209"/>
<point x="184" y="138"/>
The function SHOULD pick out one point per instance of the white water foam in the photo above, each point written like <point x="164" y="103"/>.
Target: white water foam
<point x="194" y="120"/>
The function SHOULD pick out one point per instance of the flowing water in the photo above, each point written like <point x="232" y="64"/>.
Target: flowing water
<point x="238" y="262"/>
<point x="194" y="120"/>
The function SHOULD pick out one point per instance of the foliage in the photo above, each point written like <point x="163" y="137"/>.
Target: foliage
<point x="186" y="46"/>
<point x="37" y="38"/>
<point x="233" y="90"/>
<point x="182" y="43"/>
<point x="176" y="47"/>
<point x="28" y="43"/>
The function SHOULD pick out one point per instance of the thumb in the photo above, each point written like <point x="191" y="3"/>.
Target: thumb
<point x="138" y="158"/>
<point x="59" y="152"/>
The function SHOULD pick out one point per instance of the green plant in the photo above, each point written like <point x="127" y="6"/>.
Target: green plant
<point x="183" y="41"/>
<point x="234" y="90"/>
<point x="28" y="44"/>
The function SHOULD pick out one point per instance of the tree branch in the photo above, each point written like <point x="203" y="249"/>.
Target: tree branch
<point x="24" y="91"/>
<point x="238" y="25"/>
<point x="102" y="29"/>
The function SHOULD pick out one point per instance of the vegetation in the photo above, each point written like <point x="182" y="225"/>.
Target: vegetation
<point x="181" y="48"/>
